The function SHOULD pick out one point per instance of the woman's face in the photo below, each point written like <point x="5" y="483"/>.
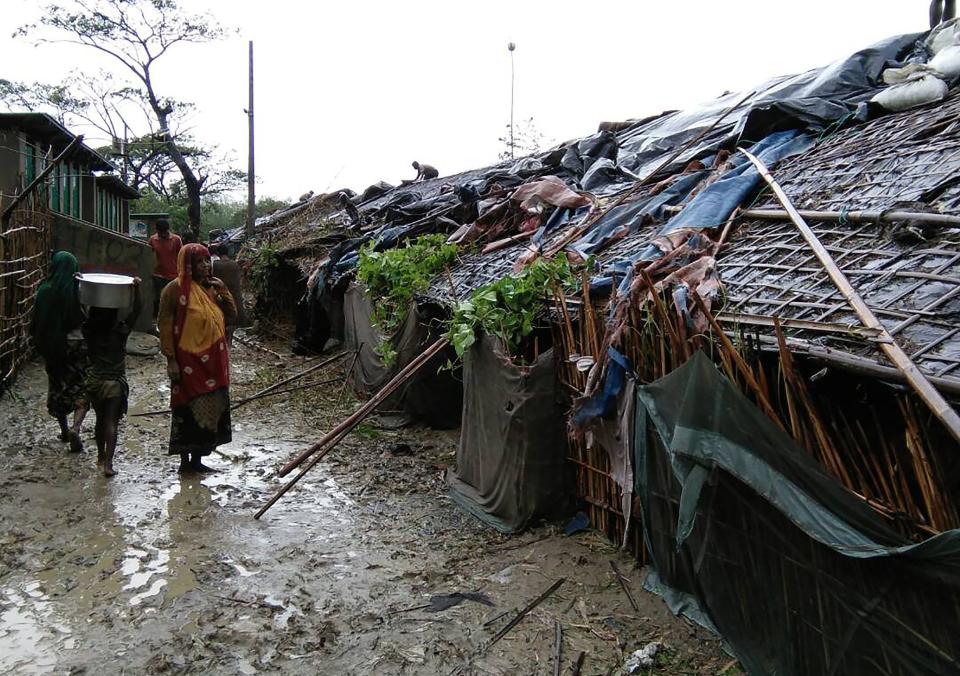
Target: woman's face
<point x="201" y="268"/>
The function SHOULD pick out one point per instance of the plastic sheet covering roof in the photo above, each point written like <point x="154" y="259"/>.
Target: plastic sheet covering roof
<point x="909" y="277"/>
<point x="604" y="164"/>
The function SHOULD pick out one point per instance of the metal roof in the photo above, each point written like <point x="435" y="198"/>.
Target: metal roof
<point x="45" y="128"/>
<point x="115" y="184"/>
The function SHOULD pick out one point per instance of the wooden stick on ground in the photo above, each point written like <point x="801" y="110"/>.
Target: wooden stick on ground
<point x="523" y="613"/>
<point x="295" y="376"/>
<point x="557" y="648"/>
<point x="250" y="343"/>
<point x="332" y="438"/>
<point x="914" y="376"/>
<point x="264" y="391"/>
<point x="623" y="585"/>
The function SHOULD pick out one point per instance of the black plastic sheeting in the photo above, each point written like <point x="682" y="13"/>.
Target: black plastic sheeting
<point x="608" y="162"/>
<point x="749" y="536"/>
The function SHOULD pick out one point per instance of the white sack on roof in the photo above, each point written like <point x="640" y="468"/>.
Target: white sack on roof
<point x="919" y="89"/>
<point x="945" y="35"/>
<point x="947" y="62"/>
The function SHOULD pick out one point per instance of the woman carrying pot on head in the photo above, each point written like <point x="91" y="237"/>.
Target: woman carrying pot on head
<point x="193" y="309"/>
<point x="55" y="329"/>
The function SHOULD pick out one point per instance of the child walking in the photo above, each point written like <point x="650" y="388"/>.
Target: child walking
<point x="107" y="388"/>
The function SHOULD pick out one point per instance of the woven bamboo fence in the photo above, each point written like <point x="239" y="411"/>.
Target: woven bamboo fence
<point x="24" y="262"/>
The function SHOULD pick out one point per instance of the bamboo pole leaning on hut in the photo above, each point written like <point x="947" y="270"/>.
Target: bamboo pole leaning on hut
<point x="914" y="376"/>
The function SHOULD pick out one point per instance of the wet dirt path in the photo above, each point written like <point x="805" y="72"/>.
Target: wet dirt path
<point x="148" y="572"/>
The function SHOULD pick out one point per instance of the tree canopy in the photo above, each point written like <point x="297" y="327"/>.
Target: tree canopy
<point x="134" y="34"/>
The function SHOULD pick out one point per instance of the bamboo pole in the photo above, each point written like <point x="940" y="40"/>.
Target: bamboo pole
<point x="843" y="216"/>
<point x="332" y="438"/>
<point x="938" y="405"/>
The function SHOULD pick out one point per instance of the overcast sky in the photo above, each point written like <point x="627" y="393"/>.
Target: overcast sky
<point x="349" y="93"/>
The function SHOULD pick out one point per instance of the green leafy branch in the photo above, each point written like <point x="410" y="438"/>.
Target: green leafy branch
<point x="395" y="276"/>
<point x="508" y="308"/>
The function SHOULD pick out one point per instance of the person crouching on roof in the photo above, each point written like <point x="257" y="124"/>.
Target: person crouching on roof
<point x="193" y="310"/>
<point x="57" y="316"/>
<point x="106" y="336"/>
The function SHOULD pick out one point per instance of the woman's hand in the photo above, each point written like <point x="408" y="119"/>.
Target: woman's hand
<point x="217" y="284"/>
<point x="173" y="370"/>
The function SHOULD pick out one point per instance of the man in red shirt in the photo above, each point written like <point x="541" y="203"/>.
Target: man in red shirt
<point x="165" y="249"/>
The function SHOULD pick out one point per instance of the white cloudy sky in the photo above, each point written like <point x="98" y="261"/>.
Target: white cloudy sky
<point x="349" y="93"/>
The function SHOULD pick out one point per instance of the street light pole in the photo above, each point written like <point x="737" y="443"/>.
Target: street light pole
<point x="511" y="47"/>
<point x="251" y="175"/>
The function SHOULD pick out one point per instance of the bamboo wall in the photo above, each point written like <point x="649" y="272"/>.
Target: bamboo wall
<point x="24" y="261"/>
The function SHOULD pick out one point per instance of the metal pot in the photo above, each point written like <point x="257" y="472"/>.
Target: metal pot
<point x="103" y="290"/>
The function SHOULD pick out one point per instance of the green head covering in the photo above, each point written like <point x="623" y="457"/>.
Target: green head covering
<point x="56" y="310"/>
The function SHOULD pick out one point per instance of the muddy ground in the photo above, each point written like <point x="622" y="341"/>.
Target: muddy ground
<point x="148" y="572"/>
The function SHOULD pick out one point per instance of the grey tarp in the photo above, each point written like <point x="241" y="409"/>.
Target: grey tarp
<point x="512" y="462"/>
<point x="432" y="395"/>
<point x="747" y="533"/>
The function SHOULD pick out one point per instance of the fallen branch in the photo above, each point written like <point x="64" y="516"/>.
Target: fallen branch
<point x="914" y="376"/>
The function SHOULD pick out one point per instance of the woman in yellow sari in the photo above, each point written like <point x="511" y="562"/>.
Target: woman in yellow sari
<point x="193" y="309"/>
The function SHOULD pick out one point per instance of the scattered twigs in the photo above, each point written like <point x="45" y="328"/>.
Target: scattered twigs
<point x="287" y="390"/>
<point x="526" y="610"/>
<point x="331" y="439"/>
<point x="927" y="392"/>
<point x="623" y="585"/>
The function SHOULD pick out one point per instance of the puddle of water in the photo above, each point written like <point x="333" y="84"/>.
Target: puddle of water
<point x="31" y="635"/>
<point x="154" y="589"/>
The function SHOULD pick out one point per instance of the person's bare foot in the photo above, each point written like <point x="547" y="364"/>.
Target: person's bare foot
<point x="108" y="470"/>
<point x="64" y="437"/>
<point x="200" y="468"/>
<point x="76" y="444"/>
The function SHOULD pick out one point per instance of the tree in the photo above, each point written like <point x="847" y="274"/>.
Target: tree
<point x="136" y="33"/>
<point x="525" y="140"/>
<point x="116" y="111"/>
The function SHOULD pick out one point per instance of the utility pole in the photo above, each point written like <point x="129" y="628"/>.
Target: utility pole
<point x="511" y="47"/>
<point x="125" y="150"/>
<point x="251" y="175"/>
